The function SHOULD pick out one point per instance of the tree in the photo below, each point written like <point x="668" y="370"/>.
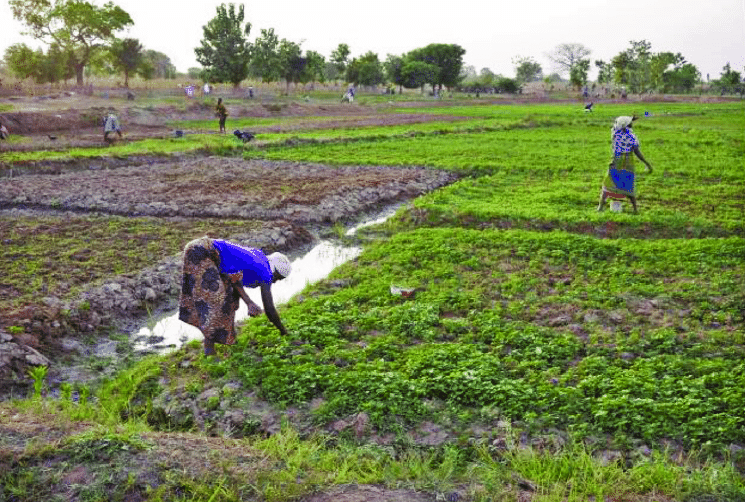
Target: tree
<point x="315" y="66"/>
<point x="393" y="66"/>
<point x="365" y="70"/>
<point x="265" y="61"/>
<point x="507" y="85"/>
<point x="340" y="58"/>
<point x="51" y="67"/>
<point x="161" y="64"/>
<point x="486" y="77"/>
<point x="224" y="50"/>
<point x="731" y="80"/>
<point x="127" y="56"/>
<point x="632" y="67"/>
<point x="566" y="56"/>
<point x="78" y="27"/>
<point x="418" y="73"/>
<point x="291" y="63"/>
<point x="605" y="72"/>
<point x="22" y="61"/>
<point x="578" y="73"/>
<point x="193" y="73"/>
<point x="527" y="69"/>
<point x="448" y="58"/>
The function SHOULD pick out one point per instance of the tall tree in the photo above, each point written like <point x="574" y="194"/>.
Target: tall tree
<point x="224" y="49"/>
<point x="265" y="62"/>
<point x="527" y="69"/>
<point x="393" y="65"/>
<point x="340" y="58"/>
<point x="78" y="27"/>
<point x="566" y="56"/>
<point x="418" y="73"/>
<point x="315" y="66"/>
<point x="162" y="65"/>
<point x="448" y="58"/>
<point x="605" y="72"/>
<point x="632" y="67"/>
<point x="365" y="70"/>
<point x="578" y="73"/>
<point x="127" y="56"/>
<point x="291" y="63"/>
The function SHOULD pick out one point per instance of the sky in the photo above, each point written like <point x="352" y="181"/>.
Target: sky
<point x="708" y="34"/>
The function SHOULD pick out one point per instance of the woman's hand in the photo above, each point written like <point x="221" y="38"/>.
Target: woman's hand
<point x="254" y="310"/>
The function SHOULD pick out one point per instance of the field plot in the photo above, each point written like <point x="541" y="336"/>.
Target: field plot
<point x="541" y="351"/>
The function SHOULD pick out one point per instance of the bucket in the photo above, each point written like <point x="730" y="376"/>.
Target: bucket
<point x="616" y="206"/>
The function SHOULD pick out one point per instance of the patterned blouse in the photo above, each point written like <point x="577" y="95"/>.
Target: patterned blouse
<point x="624" y="141"/>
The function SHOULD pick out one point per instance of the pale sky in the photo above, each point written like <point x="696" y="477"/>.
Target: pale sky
<point x="707" y="33"/>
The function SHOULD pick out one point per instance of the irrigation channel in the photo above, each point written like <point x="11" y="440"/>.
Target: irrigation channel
<point x="169" y="333"/>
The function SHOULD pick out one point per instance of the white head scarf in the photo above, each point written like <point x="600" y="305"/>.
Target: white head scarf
<point x="280" y="264"/>
<point x="622" y="122"/>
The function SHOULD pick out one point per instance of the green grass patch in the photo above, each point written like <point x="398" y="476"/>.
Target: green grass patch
<point x="669" y="206"/>
<point x="490" y="330"/>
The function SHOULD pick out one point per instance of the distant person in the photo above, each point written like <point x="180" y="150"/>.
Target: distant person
<point x="215" y="273"/>
<point x="221" y="113"/>
<point x="619" y="182"/>
<point x="4" y="133"/>
<point x="111" y="125"/>
<point x="250" y="92"/>
<point x="206" y="89"/>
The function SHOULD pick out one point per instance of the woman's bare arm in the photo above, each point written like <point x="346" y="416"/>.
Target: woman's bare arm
<point x="253" y="309"/>
<point x="271" y="311"/>
<point x="638" y="153"/>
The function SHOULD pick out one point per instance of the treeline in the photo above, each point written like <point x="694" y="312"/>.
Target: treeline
<point x="81" y="42"/>
<point x="226" y="55"/>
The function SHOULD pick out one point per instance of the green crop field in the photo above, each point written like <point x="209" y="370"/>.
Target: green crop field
<point x="537" y="324"/>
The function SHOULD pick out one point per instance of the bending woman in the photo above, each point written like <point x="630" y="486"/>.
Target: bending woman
<point x="215" y="273"/>
<point x="619" y="182"/>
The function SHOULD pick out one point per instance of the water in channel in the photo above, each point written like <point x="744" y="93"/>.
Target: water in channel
<point x="170" y="333"/>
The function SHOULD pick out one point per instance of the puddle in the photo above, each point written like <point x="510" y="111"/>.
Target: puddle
<point x="170" y="333"/>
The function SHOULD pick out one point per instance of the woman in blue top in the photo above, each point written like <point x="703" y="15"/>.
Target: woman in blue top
<point x="619" y="181"/>
<point x="215" y="273"/>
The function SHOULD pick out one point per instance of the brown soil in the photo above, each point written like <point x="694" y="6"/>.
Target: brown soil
<point x="48" y="125"/>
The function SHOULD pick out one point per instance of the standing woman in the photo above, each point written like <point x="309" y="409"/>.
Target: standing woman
<point x="222" y="114"/>
<point x="215" y="272"/>
<point x="619" y="182"/>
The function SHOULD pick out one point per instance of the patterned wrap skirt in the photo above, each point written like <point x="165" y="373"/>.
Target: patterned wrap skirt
<point x="208" y="299"/>
<point x="619" y="182"/>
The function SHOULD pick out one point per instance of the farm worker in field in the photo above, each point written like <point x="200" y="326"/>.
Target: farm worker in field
<point x="619" y="181"/>
<point x="110" y="125"/>
<point x="222" y="113"/>
<point x="4" y="133"/>
<point x="215" y="273"/>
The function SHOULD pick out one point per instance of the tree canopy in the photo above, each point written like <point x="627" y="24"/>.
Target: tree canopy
<point x="565" y="56"/>
<point x="641" y="70"/>
<point x="527" y="69"/>
<point x="448" y="58"/>
<point x="340" y="58"/>
<point x="365" y="70"/>
<point x="51" y="67"/>
<point x="224" y="49"/>
<point x="127" y="56"/>
<point x="77" y="27"/>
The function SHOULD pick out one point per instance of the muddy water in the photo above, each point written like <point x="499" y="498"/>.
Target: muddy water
<point x="170" y="333"/>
